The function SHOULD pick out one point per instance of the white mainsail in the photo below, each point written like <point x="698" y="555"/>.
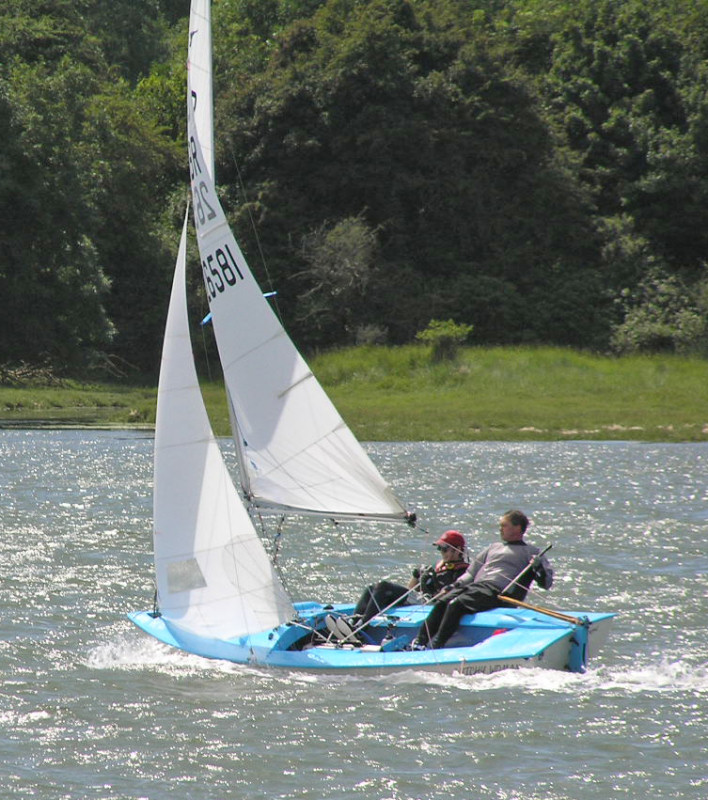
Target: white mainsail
<point x="213" y="575"/>
<point x="200" y="78"/>
<point x="296" y="451"/>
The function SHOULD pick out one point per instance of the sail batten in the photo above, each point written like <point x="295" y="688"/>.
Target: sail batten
<point x="260" y="346"/>
<point x="297" y="383"/>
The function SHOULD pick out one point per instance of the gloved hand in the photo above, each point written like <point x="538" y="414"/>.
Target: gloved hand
<point x="537" y="570"/>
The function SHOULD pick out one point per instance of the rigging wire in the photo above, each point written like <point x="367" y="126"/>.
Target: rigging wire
<point x="254" y="227"/>
<point x="207" y="360"/>
<point x="274" y="544"/>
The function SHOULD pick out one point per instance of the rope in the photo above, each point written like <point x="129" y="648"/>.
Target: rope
<point x="155" y="603"/>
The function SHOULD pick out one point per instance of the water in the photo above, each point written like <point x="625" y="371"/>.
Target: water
<point x="92" y="708"/>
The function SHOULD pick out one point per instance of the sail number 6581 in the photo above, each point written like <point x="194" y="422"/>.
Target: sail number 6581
<point x="220" y="270"/>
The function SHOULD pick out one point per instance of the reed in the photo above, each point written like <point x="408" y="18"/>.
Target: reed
<point x="399" y="394"/>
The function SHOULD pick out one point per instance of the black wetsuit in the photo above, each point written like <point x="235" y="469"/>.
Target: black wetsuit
<point x="478" y="589"/>
<point x="382" y="594"/>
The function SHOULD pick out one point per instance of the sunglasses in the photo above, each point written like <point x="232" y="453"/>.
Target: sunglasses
<point x="443" y="548"/>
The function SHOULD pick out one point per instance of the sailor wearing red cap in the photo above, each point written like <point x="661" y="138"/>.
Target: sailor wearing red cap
<point x="425" y="582"/>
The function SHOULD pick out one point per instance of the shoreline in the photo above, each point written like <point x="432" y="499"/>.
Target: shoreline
<point x="389" y="394"/>
<point x="619" y="433"/>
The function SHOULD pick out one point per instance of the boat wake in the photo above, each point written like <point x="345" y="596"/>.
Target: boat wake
<point x="129" y="653"/>
<point x="664" y="676"/>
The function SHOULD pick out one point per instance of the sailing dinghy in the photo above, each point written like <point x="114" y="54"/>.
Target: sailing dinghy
<point x="218" y="594"/>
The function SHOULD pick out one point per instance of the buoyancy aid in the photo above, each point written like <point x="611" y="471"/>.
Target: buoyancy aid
<point x="433" y="579"/>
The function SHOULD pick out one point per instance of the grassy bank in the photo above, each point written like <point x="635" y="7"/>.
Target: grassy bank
<point x="396" y="394"/>
<point x="75" y="403"/>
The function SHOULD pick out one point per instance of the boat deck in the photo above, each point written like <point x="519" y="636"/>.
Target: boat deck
<point x="486" y="642"/>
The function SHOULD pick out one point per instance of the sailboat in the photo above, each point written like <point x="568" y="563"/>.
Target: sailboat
<point x="218" y="593"/>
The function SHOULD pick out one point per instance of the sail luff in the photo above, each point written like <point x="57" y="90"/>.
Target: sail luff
<point x="201" y="78"/>
<point x="239" y="445"/>
<point x="201" y="98"/>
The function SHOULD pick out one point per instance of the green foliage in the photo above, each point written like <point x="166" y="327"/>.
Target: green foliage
<point x="621" y="83"/>
<point x="82" y="162"/>
<point x="661" y="315"/>
<point x="52" y="283"/>
<point x="68" y="402"/>
<point x="514" y="394"/>
<point x="339" y="262"/>
<point x="518" y="164"/>
<point x="445" y="337"/>
<point x="405" y="116"/>
<point x="131" y="33"/>
<point x="129" y="178"/>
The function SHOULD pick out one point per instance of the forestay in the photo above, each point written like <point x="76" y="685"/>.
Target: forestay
<point x="296" y="451"/>
<point x="213" y="576"/>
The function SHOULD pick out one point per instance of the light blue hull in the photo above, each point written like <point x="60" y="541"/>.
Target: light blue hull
<point x="503" y="638"/>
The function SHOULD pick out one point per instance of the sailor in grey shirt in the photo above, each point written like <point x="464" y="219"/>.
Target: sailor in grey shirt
<point x="490" y="572"/>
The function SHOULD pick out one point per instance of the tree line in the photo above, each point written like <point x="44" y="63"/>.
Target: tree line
<point x="534" y="169"/>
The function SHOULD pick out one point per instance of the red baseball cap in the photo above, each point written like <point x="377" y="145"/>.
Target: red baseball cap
<point x="453" y="538"/>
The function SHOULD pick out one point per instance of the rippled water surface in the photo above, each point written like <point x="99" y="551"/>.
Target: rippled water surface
<point x="92" y="708"/>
